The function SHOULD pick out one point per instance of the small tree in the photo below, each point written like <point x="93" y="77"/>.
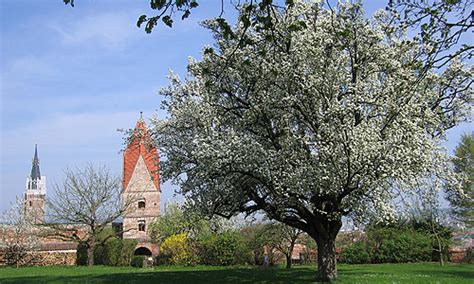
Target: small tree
<point x="18" y="239"/>
<point x="255" y="241"/>
<point x="88" y="199"/>
<point x="309" y="249"/>
<point x="177" y="219"/>
<point x="173" y="221"/>
<point x="425" y="215"/>
<point x="462" y="203"/>
<point x="283" y="238"/>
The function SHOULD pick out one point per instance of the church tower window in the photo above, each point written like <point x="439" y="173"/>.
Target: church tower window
<point x="141" y="226"/>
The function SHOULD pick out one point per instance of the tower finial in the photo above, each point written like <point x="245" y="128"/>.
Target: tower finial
<point x="141" y="114"/>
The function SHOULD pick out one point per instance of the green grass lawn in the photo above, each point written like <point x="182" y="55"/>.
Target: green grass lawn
<point x="376" y="273"/>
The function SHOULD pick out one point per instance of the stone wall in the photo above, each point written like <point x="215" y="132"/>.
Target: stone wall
<point x="46" y="258"/>
<point x="458" y="254"/>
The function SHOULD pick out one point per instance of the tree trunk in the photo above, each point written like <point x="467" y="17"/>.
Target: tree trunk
<point x="288" y="261"/>
<point x="90" y="251"/>
<point x="327" y="268"/>
<point x="440" y="251"/>
<point x="324" y="233"/>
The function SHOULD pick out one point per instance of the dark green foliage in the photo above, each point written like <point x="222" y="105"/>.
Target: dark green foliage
<point x="355" y="254"/>
<point x="469" y="258"/>
<point x="115" y="252"/>
<point x="255" y="240"/>
<point x="81" y="253"/>
<point x="163" y="259"/>
<point x="137" y="261"/>
<point x="110" y="250"/>
<point x="227" y="248"/>
<point x="397" y="245"/>
<point x="405" y="241"/>
<point x="128" y="247"/>
<point x="436" y="232"/>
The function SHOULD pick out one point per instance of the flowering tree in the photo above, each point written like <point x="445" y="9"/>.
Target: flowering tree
<point x="325" y="115"/>
<point x="18" y="237"/>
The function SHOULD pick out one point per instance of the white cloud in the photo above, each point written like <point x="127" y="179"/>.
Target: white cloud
<point x="109" y="30"/>
<point x="32" y="66"/>
<point x="65" y="131"/>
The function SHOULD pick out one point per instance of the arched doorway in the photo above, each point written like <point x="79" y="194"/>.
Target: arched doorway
<point x="142" y="251"/>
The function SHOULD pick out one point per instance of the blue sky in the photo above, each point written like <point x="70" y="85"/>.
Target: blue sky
<point x="70" y="77"/>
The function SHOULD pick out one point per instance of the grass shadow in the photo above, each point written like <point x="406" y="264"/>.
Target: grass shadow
<point x="230" y="275"/>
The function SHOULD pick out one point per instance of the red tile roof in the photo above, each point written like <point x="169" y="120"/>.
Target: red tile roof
<point x="140" y="144"/>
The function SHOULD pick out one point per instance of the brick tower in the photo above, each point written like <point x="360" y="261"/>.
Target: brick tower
<point x="141" y="181"/>
<point x="35" y="192"/>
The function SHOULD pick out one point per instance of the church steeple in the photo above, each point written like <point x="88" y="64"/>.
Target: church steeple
<point x="35" y="191"/>
<point x="35" y="170"/>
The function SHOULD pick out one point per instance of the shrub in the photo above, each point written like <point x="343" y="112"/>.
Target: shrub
<point x="178" y="249"/>
<point x="81" y="253"/>
<point x="114" y="252"/>
<point x="113" y="249"/>
<point x="137" y="261"/>
<point x="163" y="259"/>
<point x="128" y="248"/>
<point x="100" y="254"/>
<point x="469" y="257"/>
<point x="227" y="248"/>
<point x="355" y="254"/>
<point x="119" y="252"/>
<point x="396" y="245"/>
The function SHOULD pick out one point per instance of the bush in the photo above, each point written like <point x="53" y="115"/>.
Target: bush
<point x="137" y="261"/>
<point x="118" y="252"/>
<point x="114" y="252"/>
<point x="178" y="249"/>
<point x="81" y="253"/>
<point x="397" y="245"/>
<point x="128" y="248"/>
<point x="227" y="248"/>
<point x="355" y="254"/>
<point x="469" y="258"/>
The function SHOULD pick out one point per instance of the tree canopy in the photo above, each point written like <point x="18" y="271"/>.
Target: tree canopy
<point x="463" y="202"/>
<point x="322" y="116"/>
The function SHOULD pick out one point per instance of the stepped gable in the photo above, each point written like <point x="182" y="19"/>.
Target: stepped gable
<point x="141" y="145"/>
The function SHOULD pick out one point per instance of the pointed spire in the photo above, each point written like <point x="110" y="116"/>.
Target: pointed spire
<point x="141" y="123"/>
<point x="35" y="170"/>
<point x="141" y="117"/>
